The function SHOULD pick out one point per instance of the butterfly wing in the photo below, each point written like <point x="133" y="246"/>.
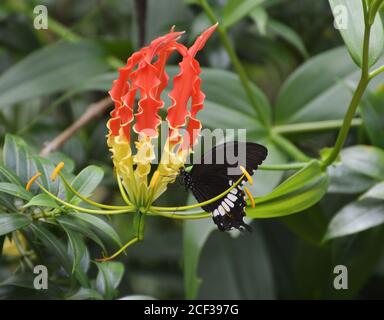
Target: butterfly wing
<point x="212" y="177"/>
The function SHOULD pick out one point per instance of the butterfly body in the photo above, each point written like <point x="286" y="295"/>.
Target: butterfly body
<point x="211" y="177"/>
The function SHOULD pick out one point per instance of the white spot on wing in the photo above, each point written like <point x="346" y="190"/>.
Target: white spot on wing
<point x="215" y="213"/>
<point x="225" y="206"/>
<point x="221" y="210"/>
<point x="229" y="202"/>
<point x="232" y="197"/>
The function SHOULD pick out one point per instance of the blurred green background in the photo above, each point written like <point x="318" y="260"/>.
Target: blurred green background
<point x="290" y="51"/>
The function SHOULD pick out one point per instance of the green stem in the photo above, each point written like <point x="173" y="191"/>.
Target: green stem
<point x="313" y="126"/>
<point x="363" y="83"/>
<point x="91" y="202"/>
<point x="180" y="216"/>
<point x="197" y="205"/>
<point x="283" y="167"/>
<point x="289" y="148"/>
<point x="376" y="72"/>
<point x="81" y="209"/>
<point x="235" y="62"/>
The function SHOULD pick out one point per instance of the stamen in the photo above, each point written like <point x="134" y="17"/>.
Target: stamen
<point x="200" y="204"/>
<point x="250" y="197"/>
<point x="81" y="209"/>
<point x="154" y="179"/>
<point x="32" y="180"/>
<point x="247" y="175"/>
<point x="80" y="196"/>
<point x="57" y="170"/>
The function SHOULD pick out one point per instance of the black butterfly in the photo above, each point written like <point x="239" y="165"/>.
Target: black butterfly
<point x="211" y="177"/>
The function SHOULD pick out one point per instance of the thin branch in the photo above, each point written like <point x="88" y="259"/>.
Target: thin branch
<point x="141" y="10"/>
<point x="93" y="111"/>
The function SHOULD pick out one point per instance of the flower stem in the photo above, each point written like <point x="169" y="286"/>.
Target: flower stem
<point x="235" y="62"/>
<point x="81" y="209"/>
<point x="376" y="72"/>
<point x="314" y="126"/>
<point x="94" y="203"/>
<point x="283" y="167"/>
<point x="358" y="94"/>
<point x="197" y="205"/>
<point x="289" y="147"/>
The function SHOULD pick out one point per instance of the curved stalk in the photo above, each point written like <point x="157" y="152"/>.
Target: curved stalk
<point x="81" y="209"/>
<point x="197" y="205"/>
<point x="80" y="196"/>
<point x="363" y="83"/>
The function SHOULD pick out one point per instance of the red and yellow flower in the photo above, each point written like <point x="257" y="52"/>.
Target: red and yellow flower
<point x="144" y="78"/>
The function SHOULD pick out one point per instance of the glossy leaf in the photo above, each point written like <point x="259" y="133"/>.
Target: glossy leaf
<point x="58" y="67"/>
<point x="356" y="217"/>
<point x="78" y="225"/>
<point x="17" y="158"/>
<point x="235" y="10"/>
<point x="299" y="192"/>
<point x="109" y="278"/>
<point x="11" y="222"/>
<point x="100" y="225"/>
<point x="42" y="200"/>
<point x="372" y="112"/>
<point x="52" y="244"/>
<point x="86" y="182"/>
<point x="325" y="97"/>
<point x="86" y="294"/>
<point x="376" y="192"/>
<point x="15" y="190"/>
<point x="195" y="234"/>
<point x="77" y="247"/>
<point x="225" y="275"/>
<point x="349" y="17"/>
<point x="366" y="160"/>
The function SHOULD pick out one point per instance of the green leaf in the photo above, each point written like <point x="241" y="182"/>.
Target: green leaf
<point x="17" y="158"/>
<point x="366" y="160"/>
<point x="235" y="10"/>
<point x="42" y="200"/>
<point x="288" y="35"/>
<point x="6" y="174"/>
<point x="344" y="180"/>
<point x="376" y="192"/>
<point x="84" y="228"/>
<point x="238" y="268"/>
<point x="109" y="278"/>
<point x="52" y="244"/>
<point x="15" y="190"/>
<point x="372" y="112"/>
<point x="12" y="222"/>
<point x="86" y="294"/>
<point x="86" y="182"/>
<point x="356" y="217"/>
<point x="349" y="17"/>
<point x="325" y="96"/>
<point x="58" y="67"/>
<point x="77" y="246"/>
<point x="260" y="17"/>
<point x="99" y="224"/>
<point x="299" y="192"/>
<point x="195" y="234"/>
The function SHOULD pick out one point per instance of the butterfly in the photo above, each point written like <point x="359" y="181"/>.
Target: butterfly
<point x="212" y="177"/>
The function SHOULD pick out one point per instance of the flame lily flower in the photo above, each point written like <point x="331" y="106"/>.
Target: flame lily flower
<point x="144" y="76"/>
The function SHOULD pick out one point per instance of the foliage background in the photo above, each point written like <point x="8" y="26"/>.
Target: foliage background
<point x="302" y="76"/>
